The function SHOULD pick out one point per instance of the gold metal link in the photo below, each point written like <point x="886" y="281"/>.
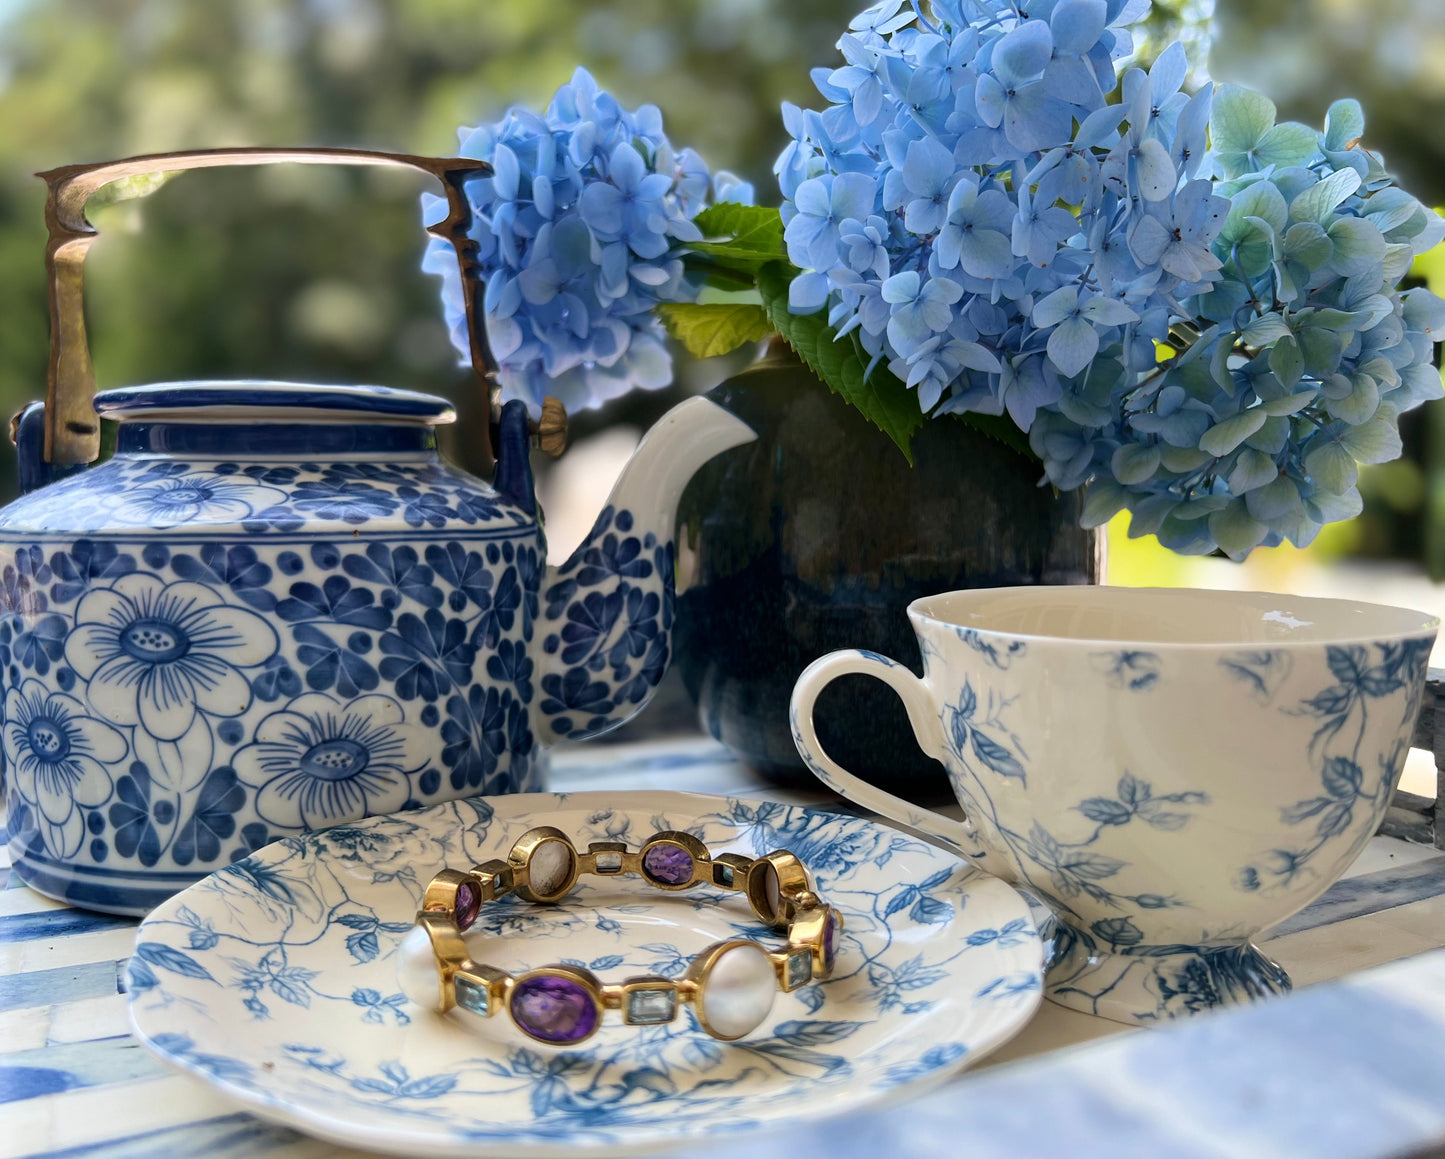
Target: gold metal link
<point x="730" y="871"/>
<point x="495" y="984"/>
<point x="606" y="853"/>
<point x="496" y="878"/>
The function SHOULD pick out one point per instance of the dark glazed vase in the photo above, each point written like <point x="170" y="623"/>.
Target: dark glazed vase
<point x="817" y="537"/>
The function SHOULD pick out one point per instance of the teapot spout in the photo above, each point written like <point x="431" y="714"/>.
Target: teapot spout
<point x="606" y="620"/>
<point x="669" y="455"/>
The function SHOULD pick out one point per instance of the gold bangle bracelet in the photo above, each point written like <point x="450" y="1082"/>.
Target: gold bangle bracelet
<point x="730" y="985"/>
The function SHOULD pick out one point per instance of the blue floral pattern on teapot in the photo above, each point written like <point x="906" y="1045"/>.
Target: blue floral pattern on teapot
<point x="236" y="630"/>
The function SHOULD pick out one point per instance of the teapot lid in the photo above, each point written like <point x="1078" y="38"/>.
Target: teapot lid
<point x="261" y="401"/>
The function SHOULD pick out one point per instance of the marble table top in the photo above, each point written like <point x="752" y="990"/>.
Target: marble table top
<point x="1350" y="1067"/>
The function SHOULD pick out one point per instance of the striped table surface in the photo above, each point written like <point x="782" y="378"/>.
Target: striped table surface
<point x="74" y="1081"/>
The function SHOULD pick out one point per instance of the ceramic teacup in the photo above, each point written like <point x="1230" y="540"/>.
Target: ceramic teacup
<point x="1171" y="771"/>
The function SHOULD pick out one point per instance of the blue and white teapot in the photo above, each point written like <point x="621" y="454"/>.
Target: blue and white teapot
<point x="276" y="608"/>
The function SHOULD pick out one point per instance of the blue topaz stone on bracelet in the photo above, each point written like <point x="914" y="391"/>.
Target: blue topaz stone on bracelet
<point x="731" y="985"/>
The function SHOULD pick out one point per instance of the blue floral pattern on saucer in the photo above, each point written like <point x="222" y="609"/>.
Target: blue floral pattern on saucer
<point x="274" y="979"/>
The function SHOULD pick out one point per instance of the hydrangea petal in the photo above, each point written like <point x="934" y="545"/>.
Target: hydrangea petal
<point x="985" y="253"/>
<point x="1077" y="25"/>
<point x="1156" y="175"/>
<point x="1229" y="433"/>
<point x="1236" y="531"/>
<point x="1072" y="346"/>
<point x="808" y="293"/>
<point x="1022" y="54"/>
<point x="1331" y="466"/>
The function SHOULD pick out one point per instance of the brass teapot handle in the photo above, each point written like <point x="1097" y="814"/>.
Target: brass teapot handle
<point x="72" y="429"/>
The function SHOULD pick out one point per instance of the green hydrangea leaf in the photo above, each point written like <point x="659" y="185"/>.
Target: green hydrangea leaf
<point x="882" y="399"/>
<point x="740" y="237"/>
<point x="708" y="330"/>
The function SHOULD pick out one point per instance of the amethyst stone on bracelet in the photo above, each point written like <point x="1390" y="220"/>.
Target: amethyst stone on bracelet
<point x="668" y="864"/>
<point x="554" y="1008"/>
<point x="830" y="939"/>
<point x="468" y="905"/>
<point x="731" y="984"/>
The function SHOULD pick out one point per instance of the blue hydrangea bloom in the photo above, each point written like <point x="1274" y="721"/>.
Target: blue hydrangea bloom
<point x="1015" y="229"/>
<point x="579" y="231"/>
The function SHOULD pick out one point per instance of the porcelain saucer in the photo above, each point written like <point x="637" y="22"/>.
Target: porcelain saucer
<point x="275" y="981"/>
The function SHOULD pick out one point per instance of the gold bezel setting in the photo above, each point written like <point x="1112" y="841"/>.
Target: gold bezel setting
<point x="562" y="1005"/>
<point x="524" y="852"/>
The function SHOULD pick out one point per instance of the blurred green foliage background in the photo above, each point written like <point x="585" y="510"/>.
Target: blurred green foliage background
<point x="312" y="273"/>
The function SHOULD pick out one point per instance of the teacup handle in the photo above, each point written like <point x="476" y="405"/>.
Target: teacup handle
<point x="923" y="714"/>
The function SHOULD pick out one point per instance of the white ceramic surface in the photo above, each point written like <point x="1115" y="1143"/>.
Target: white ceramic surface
<point x="1173" y="771"/>
<point x="275" y="981"/>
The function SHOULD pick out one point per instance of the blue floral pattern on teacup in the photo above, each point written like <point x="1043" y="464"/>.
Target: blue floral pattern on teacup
<point x="1343" y="709"/>
<point x="275" y="979"/>
<point x="1096" y="957"/>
